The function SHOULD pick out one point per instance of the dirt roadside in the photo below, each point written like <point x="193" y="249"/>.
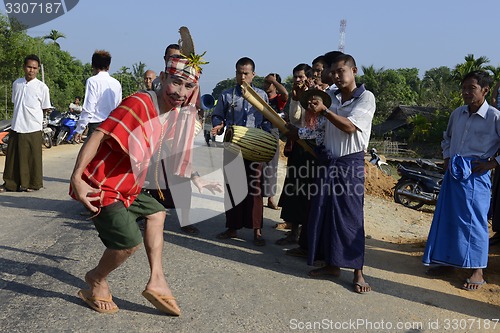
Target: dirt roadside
<point x="407" y="229"/>
<point x="403" y="230"/>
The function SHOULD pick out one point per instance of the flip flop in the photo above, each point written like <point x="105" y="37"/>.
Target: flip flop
<point x="225" y="235"/>
<point x="166" y="304"/>
<point x="297" y="252"/>
<point x="190" y="230"/>
<point x="469" y="283"/>
<point x="275" y="207"/>
<point x="86" y="296"/>
<point x="358" y="287"/>
<point x="286" y="241"/>
<point x="283" y="225"/>
<point x="259" y="241"/>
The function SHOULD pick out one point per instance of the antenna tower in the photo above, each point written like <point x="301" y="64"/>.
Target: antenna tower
<point x="343" y="24"/>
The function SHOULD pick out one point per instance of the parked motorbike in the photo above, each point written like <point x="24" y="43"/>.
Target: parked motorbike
<point x="67" y="128"/>
<point x="54" y="122"/>
<point x="47" y="132"/>
<point x="418" y="185"/>
<point x="375" y="160"/>
<point x="4" y="134"/>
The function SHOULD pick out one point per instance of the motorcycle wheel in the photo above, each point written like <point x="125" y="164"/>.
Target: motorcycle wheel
<point x="61" y="136"/>
<point x="47" y="140"/>
<point x="410" y="186"/>
<point x="385" y="169"/>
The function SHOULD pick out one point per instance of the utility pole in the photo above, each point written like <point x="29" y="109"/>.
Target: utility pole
<point x="343" y="24"/>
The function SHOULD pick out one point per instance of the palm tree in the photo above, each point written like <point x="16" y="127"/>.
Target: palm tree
<point x="138" y="70"/>
<point x="495" y="71"/>
<point x="470" y="64"/>
<point x="54" y="36"/>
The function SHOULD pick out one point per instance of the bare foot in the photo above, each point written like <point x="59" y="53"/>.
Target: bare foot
<point x="100" y="291"/>
<point x="476" y="280"/>
<point x="257" y="238"/>
<point x="159" y="285"/>
<point x="272" y="205"/>
<point x="359" y="284"/>
<point x="160" y="295"/>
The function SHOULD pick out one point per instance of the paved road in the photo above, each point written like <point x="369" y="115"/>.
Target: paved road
<point x="46" y="247"/>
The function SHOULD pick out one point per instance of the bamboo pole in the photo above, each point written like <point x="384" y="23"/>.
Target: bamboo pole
<point x="267" y="111"/>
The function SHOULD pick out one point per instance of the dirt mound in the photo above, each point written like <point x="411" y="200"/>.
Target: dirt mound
<point x="378" y="183"/>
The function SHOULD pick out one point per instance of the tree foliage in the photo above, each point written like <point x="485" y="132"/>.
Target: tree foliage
<point x="63" y="74"/>
<point x="391" y="88"/>
<point x="54" y="36"/>
<point x="127" y="80"/>
<point x="470" y="64"/>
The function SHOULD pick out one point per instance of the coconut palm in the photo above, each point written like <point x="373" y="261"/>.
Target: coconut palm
<point x="470" y="64"/>
<point x="54" y="36"/>
<point x="495" y="71"/>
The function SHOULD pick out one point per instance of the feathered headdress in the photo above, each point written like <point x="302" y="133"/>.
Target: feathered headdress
<point x="187" y="50"/>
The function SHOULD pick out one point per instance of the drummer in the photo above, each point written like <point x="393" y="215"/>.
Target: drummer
<point x="233" y="109"/>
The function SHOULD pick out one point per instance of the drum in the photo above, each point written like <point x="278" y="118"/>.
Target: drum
<point x="197" y="127"/>
<point x="255" y="144"/>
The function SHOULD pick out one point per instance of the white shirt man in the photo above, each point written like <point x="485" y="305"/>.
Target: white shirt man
<point x="103" y="93"/>
<point x="30" y="98"/>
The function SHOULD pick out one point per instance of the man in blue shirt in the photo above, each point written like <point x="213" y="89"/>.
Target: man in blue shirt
<point x="233" y="109"/>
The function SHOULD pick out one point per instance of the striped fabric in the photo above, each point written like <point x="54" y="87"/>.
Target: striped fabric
<point x="120" y="165"/>
<point x="179" y="67"/>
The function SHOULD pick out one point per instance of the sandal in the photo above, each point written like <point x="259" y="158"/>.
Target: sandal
<point x="226" y="235"/>
<point x="190" y="230"/>
<point x="297" y="252"/>
<point x="473" y="286"/>
<point x="283" y="226"/>
<point x="361" y="287"/>
<point x="259" y="241"/>
<point x="286" y="241"/>
<point x="273" y="206"/>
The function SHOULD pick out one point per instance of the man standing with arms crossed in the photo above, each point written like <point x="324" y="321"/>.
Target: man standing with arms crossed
<point x="103" y="93"/>
<point x="23" y="164"/>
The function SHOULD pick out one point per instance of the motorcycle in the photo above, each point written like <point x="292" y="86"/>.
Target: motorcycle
<point x="419" y="185"/>
<point x="54" y="123"/>
<point x="47" y="132"/>
<point x="67" y="128"/>
<point x="376" y="160"/>
<point x="4" y="135"/>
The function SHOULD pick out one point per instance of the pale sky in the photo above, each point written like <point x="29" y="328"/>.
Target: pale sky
<point x="278" y="35"/>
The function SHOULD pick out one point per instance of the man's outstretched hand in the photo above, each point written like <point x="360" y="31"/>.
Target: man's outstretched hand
<point x="212" y="186"/>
